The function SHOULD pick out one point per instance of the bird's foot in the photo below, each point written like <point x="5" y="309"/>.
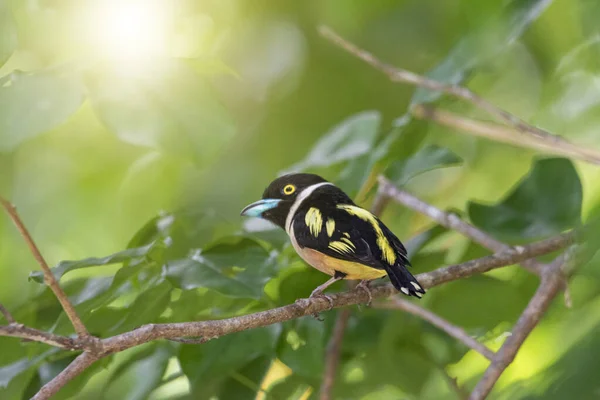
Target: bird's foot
<point x="364" y="285"/>
<point x="318" y="294"/>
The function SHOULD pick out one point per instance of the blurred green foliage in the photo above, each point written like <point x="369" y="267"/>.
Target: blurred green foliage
<point x="136" y="166"/>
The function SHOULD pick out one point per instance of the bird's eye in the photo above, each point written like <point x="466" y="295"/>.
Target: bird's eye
<point x="289" y="189"/>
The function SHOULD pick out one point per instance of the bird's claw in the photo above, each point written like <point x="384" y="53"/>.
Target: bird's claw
<point x="320" y="295"/>
<point x="364" y="285"/>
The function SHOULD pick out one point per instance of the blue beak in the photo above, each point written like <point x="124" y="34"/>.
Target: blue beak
<point x="257" y="208"/>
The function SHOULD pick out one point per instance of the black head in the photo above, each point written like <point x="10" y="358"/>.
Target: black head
<point x="279" y="196"/>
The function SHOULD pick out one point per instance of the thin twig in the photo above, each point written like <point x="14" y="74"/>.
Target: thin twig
<point x="400" y="75"/>
<point x="7" y="315"/>
<point x="77" y="366"/>
<point x="503" y="134"/>
<point x="49" y="278"/>
<point x="21" y="331"/>
<point x="456" y="332"/>
<point x="450" y="221"/>
<point x="552" y="282"/>
<point x="332" y="356"/>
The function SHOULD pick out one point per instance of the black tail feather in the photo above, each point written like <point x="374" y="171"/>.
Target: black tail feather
<point x="404" y="282"/>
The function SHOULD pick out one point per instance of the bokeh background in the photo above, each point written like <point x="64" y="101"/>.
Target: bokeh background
<point x="119" y="117"/>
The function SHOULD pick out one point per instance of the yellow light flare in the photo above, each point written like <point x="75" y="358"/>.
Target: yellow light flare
<point x="128" y="31"/>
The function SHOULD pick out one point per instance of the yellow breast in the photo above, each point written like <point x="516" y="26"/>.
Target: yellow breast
<point x="328" y="265"/>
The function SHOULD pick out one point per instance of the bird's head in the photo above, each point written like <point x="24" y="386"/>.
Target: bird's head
<point x="281" y="195"/>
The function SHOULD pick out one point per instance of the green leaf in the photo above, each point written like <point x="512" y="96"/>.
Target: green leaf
<point x="427" y="159"/>
<point x="167" y="106"/>
<point x="299" y="283"/>
<point x="244" y="384"/>
<point x="65" y="266"/>
<point x="8" y="33"/>
<point x="32" y="103"/>
<point x="292" y="387"/>
<point x="589" y="236"/>
<point x="208" y="304"/>
<point x="402" y="141"/>
<point x="147" y="307"/>
<point x="546" y="202"/>
<point x="304" y="348"/>
<point x="482" y="45"/>
<point x="455" y="296"/>
<point x="10" y="371"/>
<point x="74" y="387"/>
<point x="139" y="375"/>
<point x="416" y="243"/>
<point x="209" y="365"/>
<point x="46" y="372"/>
<point x="351" y="138"/>
<point x="237" y="269"/>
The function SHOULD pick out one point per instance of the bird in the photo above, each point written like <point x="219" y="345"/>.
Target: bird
<point x="334" y="235"/>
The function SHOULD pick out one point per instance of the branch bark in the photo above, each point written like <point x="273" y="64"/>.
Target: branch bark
<point x="450" y="221"/>
<point x="80" y="364"/>
<point x="526" y="130"/>
<point x="552" y="282"/>
<point x="216" y="328"/>
<point x="7" y="315"/>
<point x="456" y="332"/>
<point x="303" y="307"/>
<point x="502" y="134"/>
<point x="49" y="278"/>
<point x="21" y="331"/>
<point x="95" y="348"/>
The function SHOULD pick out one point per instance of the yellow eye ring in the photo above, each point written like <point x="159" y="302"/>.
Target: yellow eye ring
<point x="289" y="189"/>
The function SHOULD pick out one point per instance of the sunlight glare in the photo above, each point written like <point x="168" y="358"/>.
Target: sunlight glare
<point x="129" y="30"/>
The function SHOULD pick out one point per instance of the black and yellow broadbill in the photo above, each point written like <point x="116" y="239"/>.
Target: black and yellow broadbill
<point x="333" y="234"/>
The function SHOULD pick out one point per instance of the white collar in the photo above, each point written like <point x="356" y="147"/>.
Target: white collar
<point x="301" y="197"/>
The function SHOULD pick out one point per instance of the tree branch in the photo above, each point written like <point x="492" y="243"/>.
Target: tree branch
<point x="502" y="134"/>
<point x="35" y="335"/>
<point x="216" y="328"/>
<point x="199" y="340"/>
<point x="80" y="364"/>
<point x="332" y="356"/>
<point x="552" y="282"/>
<point x="49" y="278"/>
<point x="450" y="221"/>
<point x="401" y="75"/>
<point x="456" y="332"/>
<point x="7" y="315"/>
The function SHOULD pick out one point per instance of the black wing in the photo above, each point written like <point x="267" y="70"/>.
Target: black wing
<point x="342" y="236"/>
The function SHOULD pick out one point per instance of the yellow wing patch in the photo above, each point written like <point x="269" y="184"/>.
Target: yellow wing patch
<point x="348" y="242"/>
<point x="314" y="221"/>
<point x="389" y="255"/>
<point x="341" y="247"/>
<point x="330" y="226"/>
